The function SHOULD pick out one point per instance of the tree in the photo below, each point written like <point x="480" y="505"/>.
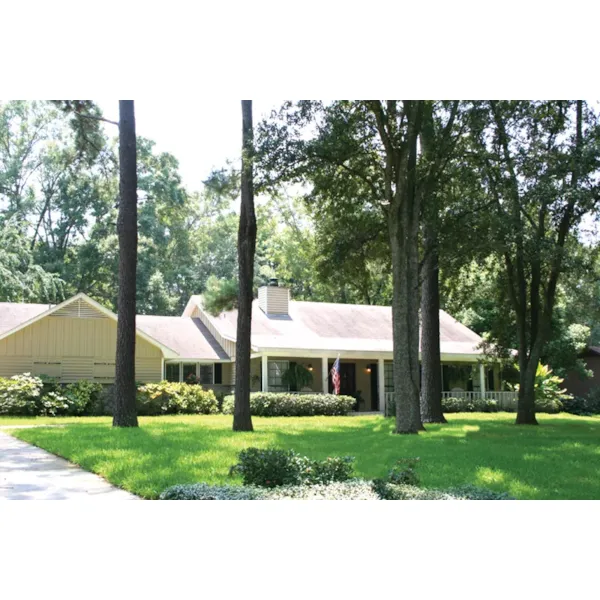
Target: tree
<point x="125" y="413"/>
<point x="539" y="164"/>
<point x="242" y="419"/>
<point x="437" y="143"/>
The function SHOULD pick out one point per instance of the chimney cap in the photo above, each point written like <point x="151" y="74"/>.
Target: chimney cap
<point x="273" y="282"/>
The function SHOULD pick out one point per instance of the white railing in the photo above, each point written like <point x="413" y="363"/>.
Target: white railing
<point x="504" y="399"/>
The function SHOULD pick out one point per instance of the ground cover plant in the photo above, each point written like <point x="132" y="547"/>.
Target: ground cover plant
<point x="559" y="459"/>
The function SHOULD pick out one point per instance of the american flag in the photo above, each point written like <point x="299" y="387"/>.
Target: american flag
<point x="335" y="376"/>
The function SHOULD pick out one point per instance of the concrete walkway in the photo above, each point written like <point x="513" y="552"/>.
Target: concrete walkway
<point x="30" y="473"/>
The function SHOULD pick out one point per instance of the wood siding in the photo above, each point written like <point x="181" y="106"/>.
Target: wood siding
<point x="274" y="300"/>
<point x="227" y="345"/>
<point x="71" y="347"/>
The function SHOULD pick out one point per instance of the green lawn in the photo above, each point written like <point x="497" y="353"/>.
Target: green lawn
<point x="559" y="459"/>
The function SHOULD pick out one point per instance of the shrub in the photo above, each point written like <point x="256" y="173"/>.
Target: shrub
<point x="203" y="491"/>
<point x="19" y="395"/>
<point x="355" y="489"/>
<point x="548" y="405"/>
<point x="82" y="396"/>
<point x="273" y="467"/>
<point x="53" y="404"/>
<point x="391" y="491"/>
<point x="276" y="404"/>
<point x="175" y="398"/>
<point x="404" y="472"/>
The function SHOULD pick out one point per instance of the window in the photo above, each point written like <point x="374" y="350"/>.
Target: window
<point x="276" y="370"/>
<point x="388" y="371"/>
<point x="189" y="371"/>
<point x="172" y="371"/>
<point x="206" y="374"/>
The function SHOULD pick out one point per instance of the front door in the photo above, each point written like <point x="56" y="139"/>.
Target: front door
<point x="347" y="379"/>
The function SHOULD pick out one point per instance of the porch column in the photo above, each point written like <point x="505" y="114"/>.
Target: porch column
<point x="482" y="380"/>
<point x="381" y="384"/>
<point x="265" y="372"/>
<point x="325" y="374"/>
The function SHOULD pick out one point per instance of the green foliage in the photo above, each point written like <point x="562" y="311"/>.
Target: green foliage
<point x="82" y="396"/>
<point x="296" y="377"/>
<point x="175" y="398"/>
<point x="455" y="405"/>
<point x="549" y="395"/>
<point x="20" y="394"/>
<point x="391" y="491"/>
<point x="220" y="295"/>
<point x="204" y="491"/>
<point x="353" y="489"/>
<point x="273" y="467"/>
<point x="282" y="404"/>
<point x="404" y="472"/>
<point x="590" y="405"/>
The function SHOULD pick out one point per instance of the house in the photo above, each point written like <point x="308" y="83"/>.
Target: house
<point x="77" y="339"/>
<point x="581" y="386"/>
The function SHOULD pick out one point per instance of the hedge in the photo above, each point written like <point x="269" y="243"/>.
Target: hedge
<point x="168" y="398"/>
<point x="283" y="404"/>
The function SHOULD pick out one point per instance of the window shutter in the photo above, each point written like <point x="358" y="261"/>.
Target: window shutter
<point x="218" y="373"/>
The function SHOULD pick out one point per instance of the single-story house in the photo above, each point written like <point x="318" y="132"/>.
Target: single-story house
<point x="77" y="340"/>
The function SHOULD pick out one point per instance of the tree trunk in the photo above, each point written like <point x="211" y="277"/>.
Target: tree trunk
<point x="431" y="360"/>
<point x="242" y="420"/>
<point x="404" y="240"/>
<point x="526" y="402"/>
<point x="125" y="413"/>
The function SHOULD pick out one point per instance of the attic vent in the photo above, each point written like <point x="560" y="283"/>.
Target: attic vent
<point x="79" y="309"/>
<point x="274" y="300"/>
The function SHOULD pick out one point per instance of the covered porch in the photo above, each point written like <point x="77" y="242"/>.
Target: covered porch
<point x="370" y="379"/>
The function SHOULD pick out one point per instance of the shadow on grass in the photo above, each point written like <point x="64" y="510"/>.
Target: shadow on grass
<point x="560" y="459"/>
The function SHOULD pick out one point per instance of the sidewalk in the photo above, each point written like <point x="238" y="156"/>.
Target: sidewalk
<point x="30" y="473"/>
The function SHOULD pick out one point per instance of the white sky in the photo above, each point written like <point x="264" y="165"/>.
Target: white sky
<point x="201" y="132"/>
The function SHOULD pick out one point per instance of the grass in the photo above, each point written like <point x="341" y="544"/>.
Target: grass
<point x="558" y="460"/>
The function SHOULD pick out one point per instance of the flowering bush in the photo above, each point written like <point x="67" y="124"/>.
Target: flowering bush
<point x="204" y="491"/>
<point x="175" y="398"/>
<point x="82" y="396"/>
<point x="391" y="491"/>
<point x="283" y="404"/>
<point x="355" y="489"/>
<point x="19" y="395"/>
<point x="273" y="467"/>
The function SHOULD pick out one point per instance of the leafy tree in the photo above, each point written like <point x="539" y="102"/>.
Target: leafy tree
<point x="242" y="420"/>
<point x="539" y="164"/>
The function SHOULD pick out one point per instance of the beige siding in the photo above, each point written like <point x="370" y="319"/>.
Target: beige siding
<point x="274" y="300"/>
<point x="71" y="347"/>
<point x="227" y="345"/>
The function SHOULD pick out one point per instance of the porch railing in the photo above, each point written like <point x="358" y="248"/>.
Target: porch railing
<point x="505" y="400"/>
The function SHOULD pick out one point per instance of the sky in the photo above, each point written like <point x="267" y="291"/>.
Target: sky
<point x="202" y="133"/>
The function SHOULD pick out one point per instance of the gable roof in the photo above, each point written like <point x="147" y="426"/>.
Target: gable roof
<point x="13" y="314"/>
<point x="189" y="337"/>
<point x="31" y="315"/>
<point x="339" y="327"/>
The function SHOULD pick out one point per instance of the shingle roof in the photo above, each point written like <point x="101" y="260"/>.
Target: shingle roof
<point x="188" y="336"/>
<point x="339" y="327"/>
<point x="13" y="314"/>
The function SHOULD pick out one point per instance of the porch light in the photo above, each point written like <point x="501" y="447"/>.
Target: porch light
<point x="368" y="369"/>
<point x="309" y="367"/>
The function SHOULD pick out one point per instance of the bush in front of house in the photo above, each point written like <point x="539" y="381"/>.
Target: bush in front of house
<point x="168" y="398"/>
<point x="353" y="489"/>
<point x="20" y="395"/>
<point x="283" y="404"/>
<point x="391" y="491"/>
<point x="204" y="491"/>
<point x="273" y="467"/>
